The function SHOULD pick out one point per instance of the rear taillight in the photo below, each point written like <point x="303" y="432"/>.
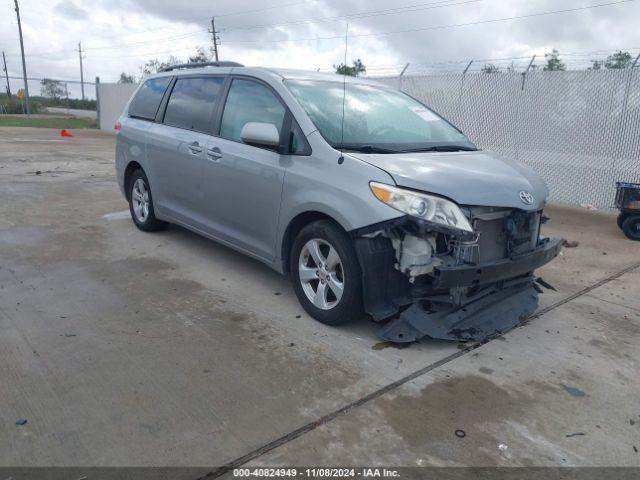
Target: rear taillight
<point x="118" y="126"/>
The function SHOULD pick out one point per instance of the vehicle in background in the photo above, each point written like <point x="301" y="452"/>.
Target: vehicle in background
<point x="370" y="201"/>
<point x="628" y="202"/>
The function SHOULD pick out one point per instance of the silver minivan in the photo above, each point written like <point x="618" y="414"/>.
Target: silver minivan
<point x="371" y="202"/>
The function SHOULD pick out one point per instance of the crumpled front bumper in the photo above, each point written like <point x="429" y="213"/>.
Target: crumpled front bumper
<point x="505" y="294"/>
<point x="481" y="274"/>
<point x="496" y="313"/>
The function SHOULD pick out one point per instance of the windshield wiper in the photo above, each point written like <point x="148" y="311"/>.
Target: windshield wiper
<point x="443" y="148"/>
<point x="365" y="148"/>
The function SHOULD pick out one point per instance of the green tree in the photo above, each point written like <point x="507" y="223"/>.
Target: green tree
<point x="150" y="66"/>
<point x="490" y="68"/>
<point x="51" y="88"/>
<point x="170" y="62"/>
<point x="201" y="56"/>
<point x="124" y="78"/>
<point x="155" y="65"/>
<point x="353" y="71"/>
<point x="554" y="64"/>
<point x="618" y="60"/>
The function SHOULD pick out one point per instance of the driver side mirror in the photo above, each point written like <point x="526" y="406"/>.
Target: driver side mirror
<point x="260" y="134"/>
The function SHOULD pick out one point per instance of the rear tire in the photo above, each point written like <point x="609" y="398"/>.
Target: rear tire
<point x="326" y="273"/>
<point x="631" y="227"/>
<point x="141" y="203"/>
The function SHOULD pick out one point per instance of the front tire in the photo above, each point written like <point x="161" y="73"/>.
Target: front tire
<point x="631" y="227"/>
<point x="326" y="274"/>
<point x="141" y="203"/>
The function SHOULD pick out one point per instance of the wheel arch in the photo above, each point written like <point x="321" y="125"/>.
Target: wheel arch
<point x="132" y="166"/>
<point x="294" y="227"/>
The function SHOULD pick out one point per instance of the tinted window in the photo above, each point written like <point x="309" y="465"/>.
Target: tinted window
<point x="249" y="102"/>
<point x="147" y="100"/>
<point x="192" y="103"/>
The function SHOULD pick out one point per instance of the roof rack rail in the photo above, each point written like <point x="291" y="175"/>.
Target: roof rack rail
<point x="199" y="65"/>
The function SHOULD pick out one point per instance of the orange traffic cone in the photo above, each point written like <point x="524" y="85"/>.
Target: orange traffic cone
<point x="65" y="133"/>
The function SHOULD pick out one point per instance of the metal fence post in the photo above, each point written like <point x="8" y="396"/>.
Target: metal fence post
<point x="628" y="86"/>
<point x="401" y="75"/>
<point x="524" y="74"/>
<point x="516" y="147"/>
<point x="66" y="94"/>
<point x="461" y="91"/>
<point x="98" y="102"/>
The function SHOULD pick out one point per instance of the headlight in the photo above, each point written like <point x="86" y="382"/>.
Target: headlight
<point x="427" y="207"/>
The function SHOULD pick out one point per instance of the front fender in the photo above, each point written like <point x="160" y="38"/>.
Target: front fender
<point x="338" y="190"/>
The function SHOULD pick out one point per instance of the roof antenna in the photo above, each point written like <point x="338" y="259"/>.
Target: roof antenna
<point x="344" y="92"/>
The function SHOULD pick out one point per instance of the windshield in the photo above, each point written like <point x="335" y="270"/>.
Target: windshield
<point x="376" y="119"/>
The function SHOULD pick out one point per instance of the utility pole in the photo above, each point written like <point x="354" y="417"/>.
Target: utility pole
<point x="81" y="72"/>
<point x="24" y="64"/>
<point x="6" y="74"/>
<point x="214" y="37"/>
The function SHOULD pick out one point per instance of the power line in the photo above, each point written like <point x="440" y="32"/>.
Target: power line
<point x="439" y="27"/>
<point x="371" y="13"/>
<point x="147" y="54"/>
<point x="364" y="14"/>
<point x="38" y="79"/>
<point x="415" y="7"/>
<point x="41" y="54"/>
<point x="122" y="45"/>
<point x="162" y="40"/>
<point x="245" y="12"/>
<point x="199" y="18"/>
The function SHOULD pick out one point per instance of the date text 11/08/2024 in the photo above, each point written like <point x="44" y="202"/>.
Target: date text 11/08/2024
<point x="318" y="472"/>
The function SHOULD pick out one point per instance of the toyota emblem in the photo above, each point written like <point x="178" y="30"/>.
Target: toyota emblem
<point x="526" y="197"/>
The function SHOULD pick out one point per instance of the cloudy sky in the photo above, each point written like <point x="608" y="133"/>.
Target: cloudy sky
<point x="432" y="35"/>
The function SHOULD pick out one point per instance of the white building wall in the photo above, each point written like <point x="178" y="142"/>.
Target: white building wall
<point x="112" y="98"/>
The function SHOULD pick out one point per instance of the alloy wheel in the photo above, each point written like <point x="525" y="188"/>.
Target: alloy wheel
<point x="320" y="273"/>
<point x="140" y="199"/>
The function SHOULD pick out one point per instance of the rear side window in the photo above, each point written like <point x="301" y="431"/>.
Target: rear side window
<point x="192" y="103"/>
<point x="249" y="101"/>
<point x="146" y="102"/>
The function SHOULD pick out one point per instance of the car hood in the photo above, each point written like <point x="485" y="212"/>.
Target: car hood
<point x="479" y="178"/>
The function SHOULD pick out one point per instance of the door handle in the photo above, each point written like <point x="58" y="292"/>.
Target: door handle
<point x="195" y="148"/>
<point x="214" y="154"/>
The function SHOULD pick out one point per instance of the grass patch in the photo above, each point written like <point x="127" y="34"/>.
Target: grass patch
<point x="48" y="122"/>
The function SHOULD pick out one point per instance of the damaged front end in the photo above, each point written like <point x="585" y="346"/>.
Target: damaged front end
<point x="425" y="279"/>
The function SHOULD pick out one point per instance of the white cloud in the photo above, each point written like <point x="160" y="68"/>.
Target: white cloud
<point x="70" y="10"/>
<point x="119" y="35"/>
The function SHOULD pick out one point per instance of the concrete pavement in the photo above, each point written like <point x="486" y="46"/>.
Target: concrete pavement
<point x="125" y="348"/>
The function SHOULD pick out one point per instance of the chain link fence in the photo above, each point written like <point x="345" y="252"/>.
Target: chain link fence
<point x="580" y="130"/>
<point x="67" y="94"/>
